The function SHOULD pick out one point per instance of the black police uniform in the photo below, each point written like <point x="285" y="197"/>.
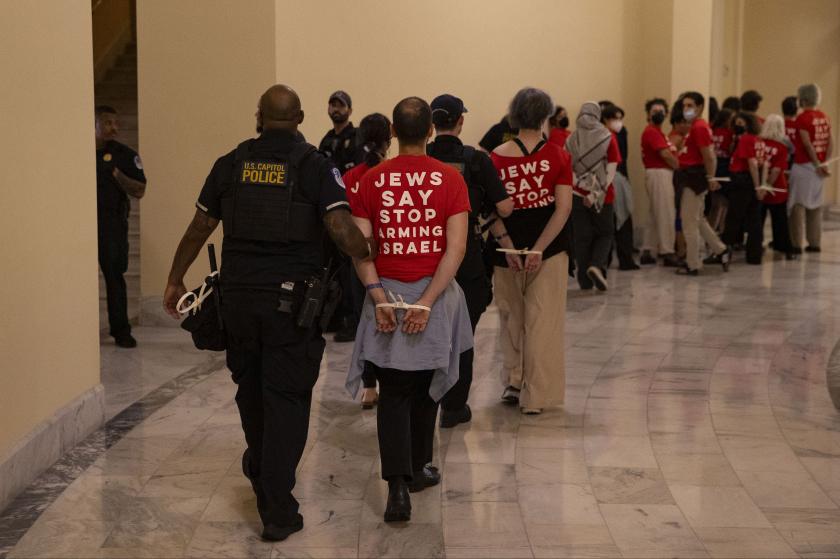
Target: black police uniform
<point x="112" y="209"/>
<point x="342" y="148"/>
<point x="271" y="194"/>
<point x="485" y="191"/>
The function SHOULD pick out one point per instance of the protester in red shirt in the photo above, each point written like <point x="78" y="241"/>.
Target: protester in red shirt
<point x="559" y="127"/>
<point x="375" y="133"/>
<point x="744" y="213"/>
<point x="694" y="178"/>
<point x="813" y="147"/>
<point x="531" y="293"/>
<point x="660" y="160"/>
<point x="416" y="209"/>
<point x="772" y="156"/>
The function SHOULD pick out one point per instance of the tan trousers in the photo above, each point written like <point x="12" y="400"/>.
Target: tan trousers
<point x="695" y="226"/>
<point x="531" y="333"/>
<point x="660" y="233"/>
<point x="809" y="220"/>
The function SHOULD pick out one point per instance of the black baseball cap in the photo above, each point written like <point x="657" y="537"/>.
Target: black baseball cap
<point x="341" y="96"/>
<point x="446" y="109"/>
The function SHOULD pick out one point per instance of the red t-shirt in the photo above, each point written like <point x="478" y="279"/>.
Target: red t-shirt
<point x="744" y="151"/>
<point x="530" y="179"/>
<point x="699" y="136"/>
<point x="790" y="129"/>
<point x="654" y="141"/>
<point x="723" y="142"/>
<point x="559" y="136"/>
<point x="775" y="155"/>
<point x="613" y="156"/>
<point x="408" y="201"/>
<point x="352" y="180"/>
<point x="819" y="130"/>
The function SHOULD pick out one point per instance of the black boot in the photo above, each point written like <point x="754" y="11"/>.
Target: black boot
<point x="429" y="476"/>
<point x="398" y="508"/>
<point x="450" y="418"/>
<point x="278" y="533"/>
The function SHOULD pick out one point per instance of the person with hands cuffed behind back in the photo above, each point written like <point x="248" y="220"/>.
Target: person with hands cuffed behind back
<point x="532" y="305"/>
<point x="415" y="323"/>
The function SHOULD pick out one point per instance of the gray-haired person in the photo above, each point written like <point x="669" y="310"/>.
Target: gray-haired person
<point x="813" y="147"/>
<point x="531" y="270"/>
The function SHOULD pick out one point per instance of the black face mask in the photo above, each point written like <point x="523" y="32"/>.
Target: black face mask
<point x="738" y="129"/>
<point x="657" y="118"/>
<point x="563" y="122"/>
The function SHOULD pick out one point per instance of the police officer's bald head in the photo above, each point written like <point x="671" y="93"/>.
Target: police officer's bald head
<point x="279" y="108"/>
<point x="412" y="121"/>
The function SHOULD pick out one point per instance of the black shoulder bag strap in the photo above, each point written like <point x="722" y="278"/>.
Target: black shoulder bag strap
<point x="525" y="151"/>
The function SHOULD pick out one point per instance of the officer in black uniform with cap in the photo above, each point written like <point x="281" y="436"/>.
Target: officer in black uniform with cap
<point x="341" y="146"/>
<point x="276" y="197"/>
<point x="487" y="195"/>
<point x="119" y="174"/>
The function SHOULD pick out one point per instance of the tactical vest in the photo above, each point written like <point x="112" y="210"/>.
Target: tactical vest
<point x="266" y="204"/>
<point x="467" y="164"/>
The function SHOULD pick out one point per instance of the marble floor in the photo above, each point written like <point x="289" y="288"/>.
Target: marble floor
<point x="697" y="424"/>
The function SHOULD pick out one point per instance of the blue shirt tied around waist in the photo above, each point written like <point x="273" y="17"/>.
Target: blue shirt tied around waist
<point x="447" y="335"/>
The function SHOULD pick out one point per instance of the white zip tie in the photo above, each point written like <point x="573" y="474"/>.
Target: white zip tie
<point x="195" y="304"/>
<point x="399" y="303"/>
<point x="520" y="252"/>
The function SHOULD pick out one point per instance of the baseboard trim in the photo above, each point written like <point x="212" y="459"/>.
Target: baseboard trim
<point x="48" y="441"/>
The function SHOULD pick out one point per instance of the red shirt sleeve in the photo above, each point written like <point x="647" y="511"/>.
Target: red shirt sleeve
<point x="613" y="153"/>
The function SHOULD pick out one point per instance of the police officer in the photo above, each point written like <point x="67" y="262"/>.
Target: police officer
<point x="341" y="146"/>
<point x="487" y="195"/>
<point x="119" y="174"/>
<point x="276" y="196"/>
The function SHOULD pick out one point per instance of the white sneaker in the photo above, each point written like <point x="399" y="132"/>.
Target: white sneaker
<point x="510" y="395"/>
<point x="597" y="277"/>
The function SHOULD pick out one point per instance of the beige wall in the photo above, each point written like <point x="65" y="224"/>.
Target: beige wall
<point x="202" y="65"/>
<point x="791" y="42"/>
<point x="49" y="300"/>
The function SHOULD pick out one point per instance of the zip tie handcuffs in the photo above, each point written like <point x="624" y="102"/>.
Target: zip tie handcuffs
<point x="768" y="188"/>
<point x="203" y="293"/>
<point x="399" y="303"/>
<point x="520" y="252"/>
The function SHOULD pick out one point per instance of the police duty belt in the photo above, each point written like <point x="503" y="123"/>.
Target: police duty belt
<point x="197" y="299"/>
<point x="398" y="303"/>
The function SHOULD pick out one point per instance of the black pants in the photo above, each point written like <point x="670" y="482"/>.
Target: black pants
<point x="405" y="421"/>
<point x="779" y="220"/>
<point x="744" y="214"/>
<point x="358" y="294"/>
<point x="593" y="239"/>
<point x="477" y="295"/>
<point x="113" y="261"/>
<point x="624" y="244"/>
<point x="275" y="365"/>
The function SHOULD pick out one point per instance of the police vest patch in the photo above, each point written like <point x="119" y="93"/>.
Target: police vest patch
<point x="263" y="173"/>
<point x="107" y="157"/>
<point x="338" y="179"/>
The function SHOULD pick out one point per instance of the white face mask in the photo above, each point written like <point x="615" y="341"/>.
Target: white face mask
<point x="689" y="114"/>
<point x="616" y="126"/>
